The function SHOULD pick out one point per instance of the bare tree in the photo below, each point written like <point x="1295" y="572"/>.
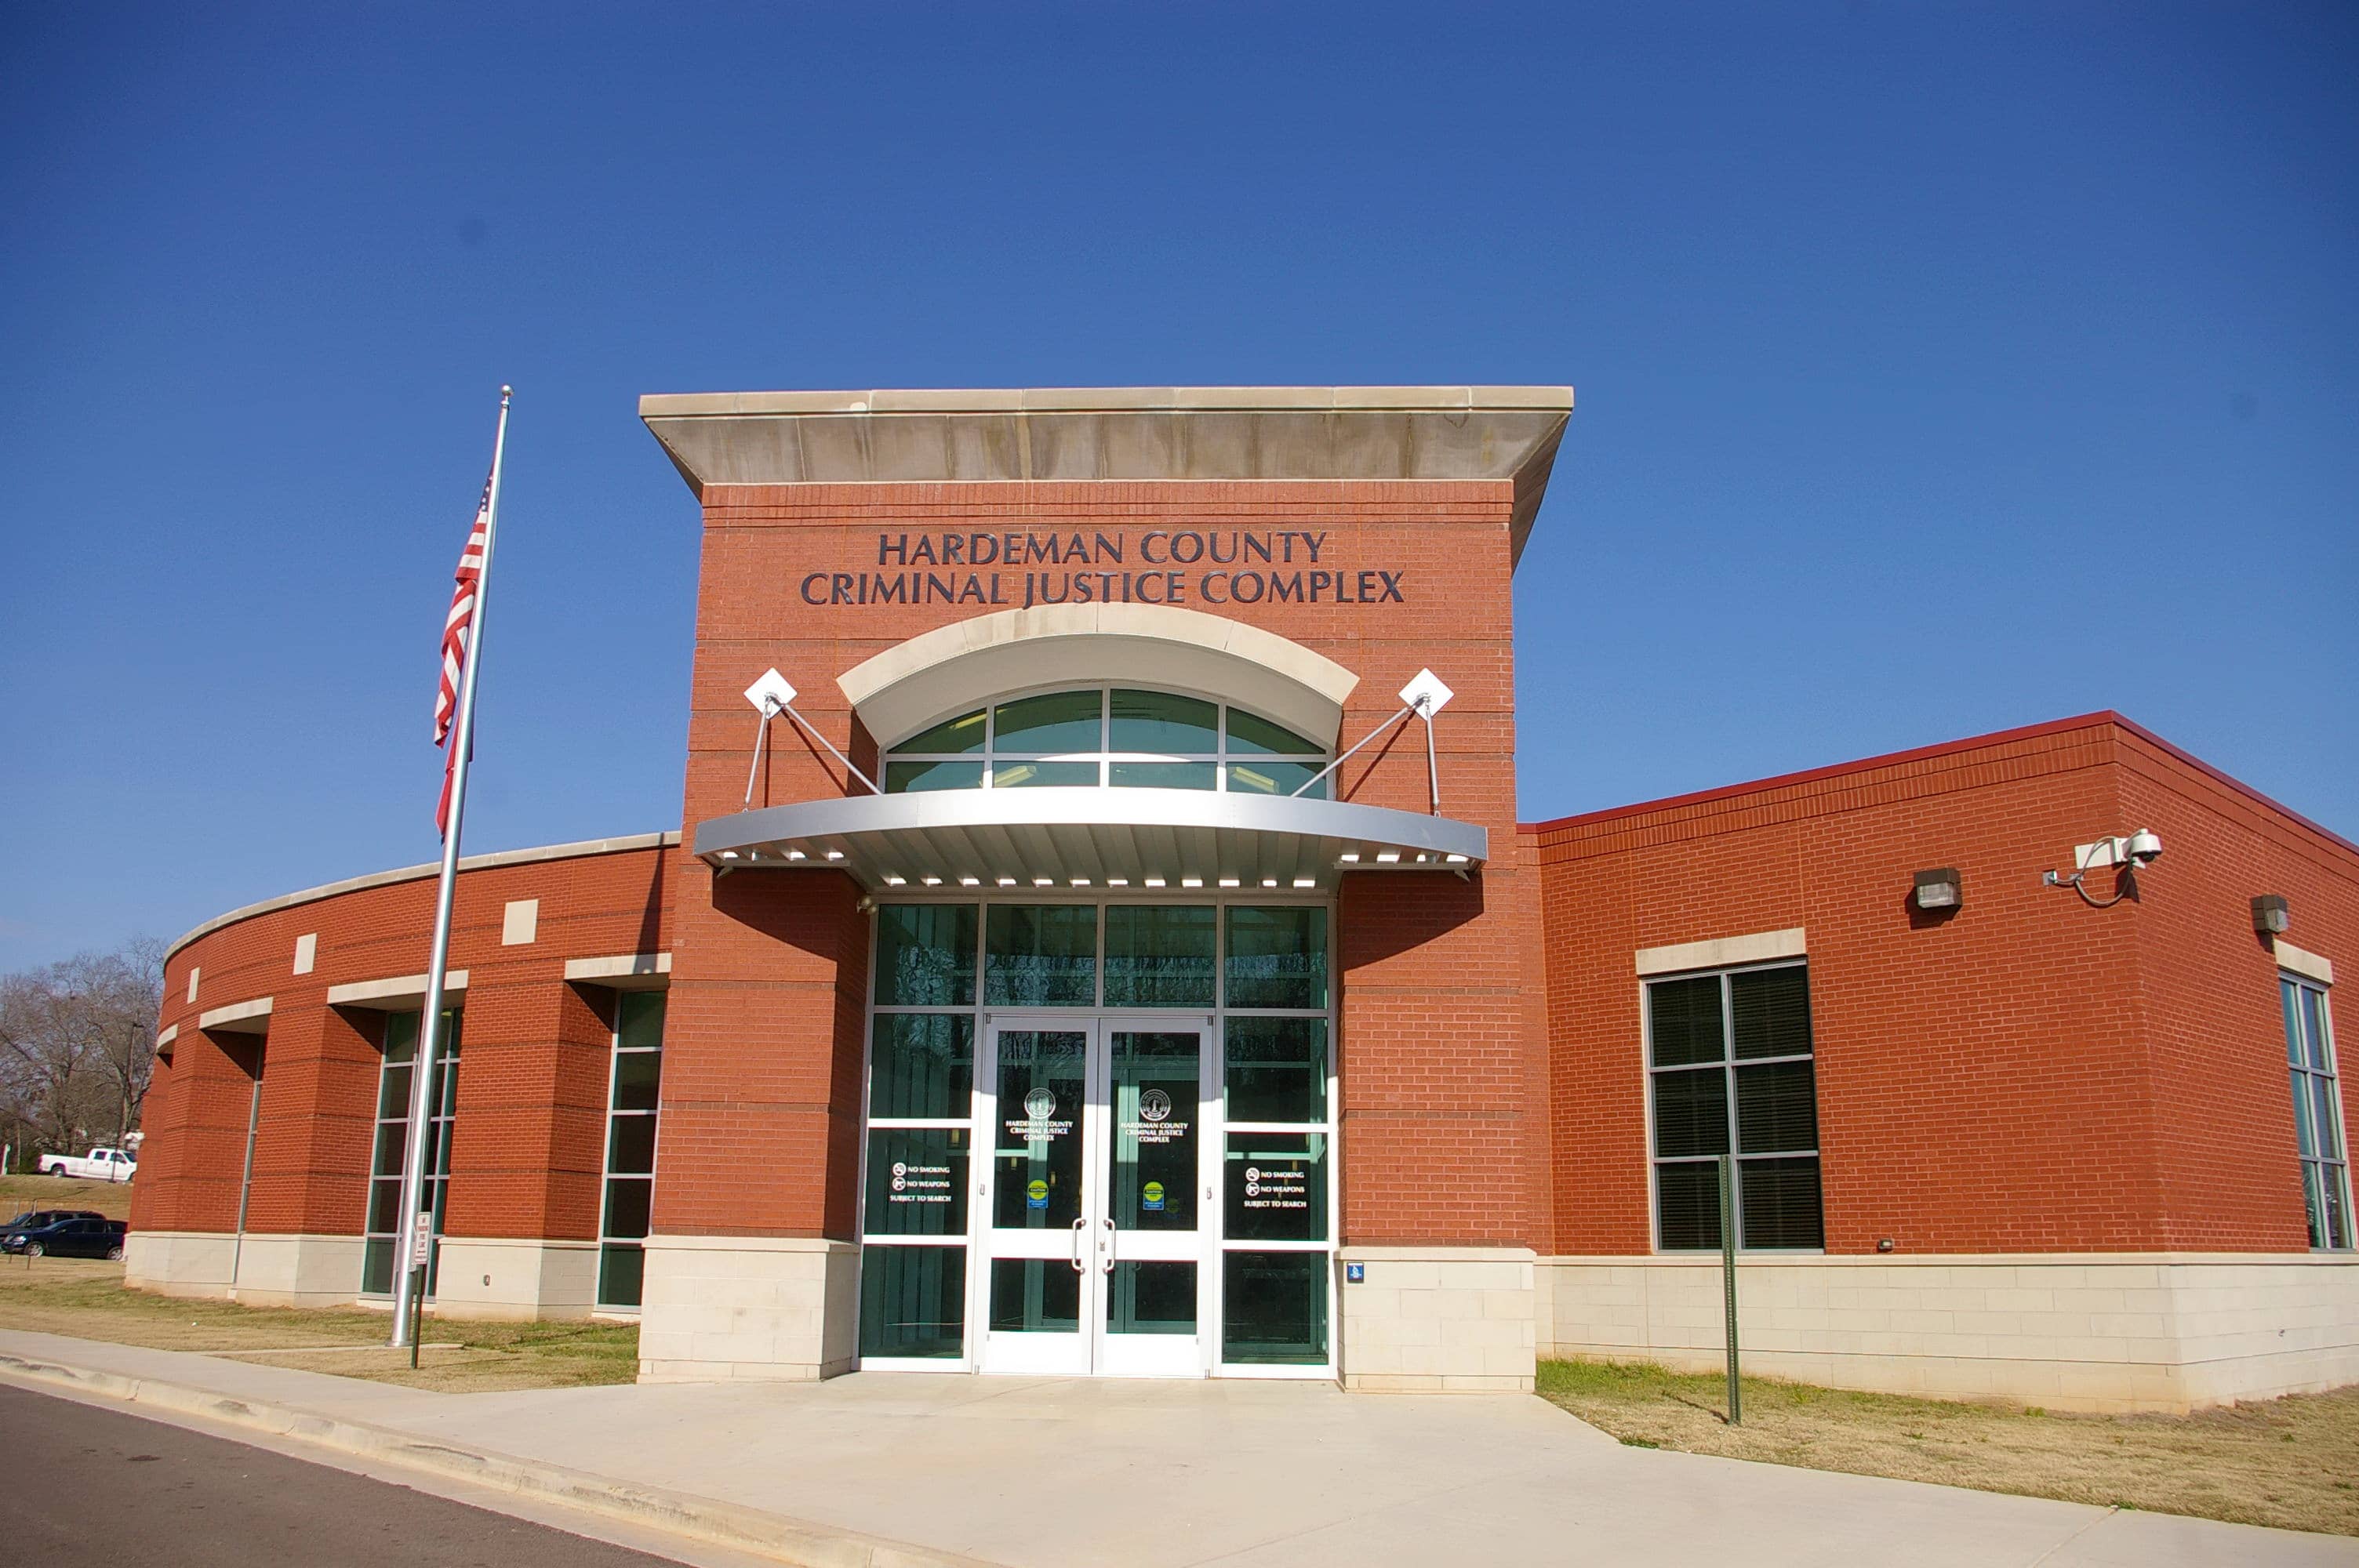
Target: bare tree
<point x="77" y="1039"/>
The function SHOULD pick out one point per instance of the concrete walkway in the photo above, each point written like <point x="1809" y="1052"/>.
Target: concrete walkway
<point x="882" y="1467"/>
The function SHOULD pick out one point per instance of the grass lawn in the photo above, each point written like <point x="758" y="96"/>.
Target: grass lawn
<point x="2292" y="1462"/>
<point x="86" y="1299"/>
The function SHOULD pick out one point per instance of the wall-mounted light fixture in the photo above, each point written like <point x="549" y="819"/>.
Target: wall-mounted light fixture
<point x="2132" y="851"/>
<point x="2271" y="913"/>
<point x="1939" y="887"/>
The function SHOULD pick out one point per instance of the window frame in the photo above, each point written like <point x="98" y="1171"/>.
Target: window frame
<point x="990" y="758"/>
<point x="607" y="1176"/>
<point x="1727" y="1066"/>
<point x="2331" y="1169"/>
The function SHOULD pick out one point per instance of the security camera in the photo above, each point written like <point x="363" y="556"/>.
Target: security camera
<point x="2144" y="848"/>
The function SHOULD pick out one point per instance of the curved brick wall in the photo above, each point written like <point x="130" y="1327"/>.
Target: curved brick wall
<point x="532" y="1093"/>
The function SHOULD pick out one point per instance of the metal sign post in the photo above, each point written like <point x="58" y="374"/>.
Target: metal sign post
<point x="421" y="1253"/>
<point x="1728" y="1280"/>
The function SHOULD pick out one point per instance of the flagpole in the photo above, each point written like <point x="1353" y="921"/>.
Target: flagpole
<point x="409" y="1289"/>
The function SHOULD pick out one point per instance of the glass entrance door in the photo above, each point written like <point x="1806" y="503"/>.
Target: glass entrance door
<point x="1094" y="1234"/>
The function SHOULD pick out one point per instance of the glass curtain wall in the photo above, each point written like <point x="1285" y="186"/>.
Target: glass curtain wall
<point x="383" y="1245"/>
<point x="1262" y="970"/>
<point x="631" y="1099"/>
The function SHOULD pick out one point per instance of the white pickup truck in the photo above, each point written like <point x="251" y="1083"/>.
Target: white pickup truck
<point x="99" y="1165"/>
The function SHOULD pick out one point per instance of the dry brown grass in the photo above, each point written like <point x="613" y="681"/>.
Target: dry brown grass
<point x="2292" y="1462"/>
<point x="18" y="1194"/>
<point x="85" y="1299"/>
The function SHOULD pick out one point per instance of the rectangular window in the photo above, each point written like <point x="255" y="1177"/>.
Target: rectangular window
<point x="1730" y="1068"/>
<point x="1040" y="955"/>
<point x="381" y="1252"/>
<point x="629" y="1198"/>
<point x="2316" y="1112"/>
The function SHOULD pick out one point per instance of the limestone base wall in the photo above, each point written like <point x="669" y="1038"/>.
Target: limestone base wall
<point x="181" y="1262"/>
<point x="1438" y="1320"/>
<point x="776" y="1308"/>
<point x="2106" y="1331"/>
<point x="297" y="1270"/>
<point x="515" y="1278"/>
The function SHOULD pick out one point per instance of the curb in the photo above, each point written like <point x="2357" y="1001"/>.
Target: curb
<point x="793" y="1541"/>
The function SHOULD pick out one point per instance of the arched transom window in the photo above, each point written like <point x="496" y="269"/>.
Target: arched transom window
<point x="1107" y="737"/>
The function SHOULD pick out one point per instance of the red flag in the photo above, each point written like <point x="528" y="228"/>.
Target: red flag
<point x="458" y="628"/>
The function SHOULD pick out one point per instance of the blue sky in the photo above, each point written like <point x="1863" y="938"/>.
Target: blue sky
<point x="1941" y="368"/>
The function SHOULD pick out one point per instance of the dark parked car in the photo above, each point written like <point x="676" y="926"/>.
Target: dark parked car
<point x="76" y="1238"/>
<point x="32" y="1219"/>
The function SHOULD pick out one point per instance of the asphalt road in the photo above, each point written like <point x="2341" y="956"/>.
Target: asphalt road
<point x="87" y="1485"/>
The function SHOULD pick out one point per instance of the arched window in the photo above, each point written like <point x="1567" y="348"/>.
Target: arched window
<point x="1107" y="737"/>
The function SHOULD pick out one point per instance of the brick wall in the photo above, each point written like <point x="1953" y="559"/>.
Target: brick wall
<point x="2026" y="1074"/>
<point x="528" y="1152"/>
<point x="766" y="1016"/>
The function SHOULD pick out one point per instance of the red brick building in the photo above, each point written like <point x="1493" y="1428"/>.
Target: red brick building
<point x="1101" y="939"/>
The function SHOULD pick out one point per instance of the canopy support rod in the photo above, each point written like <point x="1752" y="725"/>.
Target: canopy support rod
<point x="1347" y="756"/>
<point x="771" y="709"/>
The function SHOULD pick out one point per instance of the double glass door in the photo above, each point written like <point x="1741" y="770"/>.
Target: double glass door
<point x="1100" y="1180"/>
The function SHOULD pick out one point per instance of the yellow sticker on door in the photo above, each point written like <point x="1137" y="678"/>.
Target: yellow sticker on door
<point x="1037" y="1194"/>
<point x="1151" y="1195"/>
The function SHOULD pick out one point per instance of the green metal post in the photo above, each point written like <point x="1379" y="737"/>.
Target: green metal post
<point x="1728" y="1279"/>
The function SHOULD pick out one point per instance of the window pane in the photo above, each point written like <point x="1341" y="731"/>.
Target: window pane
<point x="1278" y="1069"/>
<point x="1249" y="734"/>
<point x="1034" y="1295"/>
<point x="2314" y="1197"/>
<point x="1776" y="1109"/>
<point x="1037" y="1155"/>
<point x="913" y="1301"/>
<point x="2290" y="1001"/>
<point x="1771" y="1010"/>
<point x="1162" y="775"/>
<point x="1159" y="956"/>
<point x="2305" y="1132"/>
<point x="639" y="1020"/>
<point x="1691" y="1112"/>
<point x="400" y="1036"/>
<point x="1041" y="956"/>
<point x="958" y="735"/>
<point x="1780" y="1203"/>
<point x="385" y="1207"/>
<point x="911" y="778"/>
<point x="627" y="1204"/>
<point x="392" y="1142"/>
<point x="924" y="955"/>
<point x="2313" y="1017"/>
<point x="1060" y="721"/>
<point x="393" y="1092"/>
<point x="923" y="1065"/>
<point x="2330" y="1136"/>
<point x="622" y="1272"/>
<point x="2334" y="1178"/>
<point x="1152" y="1298"/>
<point x="1687" y="1204"/>
<point x="1159" y="721"/>
<point x="1155" y="1076"/>
<point x="1044" y="776"/>
<point x="377" y="1267"/>
<point x="1276" y="1186"/>
<point x="1277" y="778"/>
<point x="639" y="1079"/>
<point x="631" y="1148"/>
<point x="916" y="1181"/>
<point x="1277" y="957"/>
<point x="1274" y="1308"/>
<point x="1683" y="1020"/>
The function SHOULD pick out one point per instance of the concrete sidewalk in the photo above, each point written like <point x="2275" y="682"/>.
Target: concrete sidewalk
<point x="880" y="1467"/>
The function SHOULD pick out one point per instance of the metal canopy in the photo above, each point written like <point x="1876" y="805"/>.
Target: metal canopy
<point x="1090" y="838"/>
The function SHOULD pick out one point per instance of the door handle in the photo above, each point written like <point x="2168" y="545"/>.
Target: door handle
<point x="1078" y="1267"/>
<point x="1108" y="1266"/>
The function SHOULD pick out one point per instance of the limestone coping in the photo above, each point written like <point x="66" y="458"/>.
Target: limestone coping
<point x="432" y="867"/>
<point x="1121" y="433"/>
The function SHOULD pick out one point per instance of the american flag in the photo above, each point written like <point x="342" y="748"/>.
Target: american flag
<point x="458" y="628"/>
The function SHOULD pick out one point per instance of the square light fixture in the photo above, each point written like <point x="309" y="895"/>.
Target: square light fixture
<point x="2271" y="913"/>
<point x="1939" y="887"/>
